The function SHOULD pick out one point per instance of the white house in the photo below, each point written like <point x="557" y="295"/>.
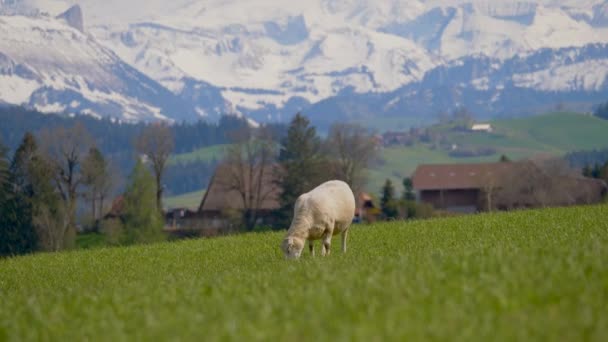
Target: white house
<point x="482" y="127"/>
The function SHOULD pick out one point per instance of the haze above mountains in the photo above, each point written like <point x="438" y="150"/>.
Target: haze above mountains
<point x="334" y="59"/>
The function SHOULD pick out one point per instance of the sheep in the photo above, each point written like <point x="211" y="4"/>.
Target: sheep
<point x="320" y="213"/>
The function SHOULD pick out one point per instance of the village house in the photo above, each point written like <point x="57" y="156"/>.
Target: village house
<point x="468" y="188"/>
<point x="391" y="138"/>
<point x="222" y="203"/>
<point x="482" y="127"/>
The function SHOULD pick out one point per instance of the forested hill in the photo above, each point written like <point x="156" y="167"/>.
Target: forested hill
<point x="113" y="136"/>
<point x="115" y="140"/>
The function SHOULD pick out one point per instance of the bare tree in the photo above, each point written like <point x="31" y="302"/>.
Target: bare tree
<point x="250" y="168"/>
<point x="65" y="150"/>
<point x="156" y="143"/>
<point x="351" y="148"/>
<point x="490" y="186"/>
<point x="50" y="227"/>
<point x="540" y="183"/>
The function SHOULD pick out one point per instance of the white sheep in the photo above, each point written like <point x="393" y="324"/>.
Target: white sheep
<point x="320" y="213"/>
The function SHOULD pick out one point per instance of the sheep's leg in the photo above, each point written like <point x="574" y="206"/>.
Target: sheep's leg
<point x="326" y="238"/>
<point x="326" y="244"/>
<point x="344" y="236"/>
<point x="311" y="247"/>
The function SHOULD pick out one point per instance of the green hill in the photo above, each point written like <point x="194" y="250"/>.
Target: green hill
<point x="550" y="134"/>
<point x="528" y="275"/>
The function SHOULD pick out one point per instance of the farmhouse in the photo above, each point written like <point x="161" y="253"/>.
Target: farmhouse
<point x="391" y="138"/>
<point x="228" y="191"/>
<point x="482" y="127"/>
<point x="468" y="188"/>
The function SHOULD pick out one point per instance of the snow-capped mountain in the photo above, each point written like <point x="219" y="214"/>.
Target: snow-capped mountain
<point x="53" y="67"/>
<point x="270" y="58"/>
<point x="487" y="86"/>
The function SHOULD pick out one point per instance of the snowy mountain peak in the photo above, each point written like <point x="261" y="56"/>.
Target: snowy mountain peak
<point x="73" y="17"/>
<point x="270" y="58"/>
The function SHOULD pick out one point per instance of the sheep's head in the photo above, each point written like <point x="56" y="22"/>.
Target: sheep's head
<point x="292" y="247"/>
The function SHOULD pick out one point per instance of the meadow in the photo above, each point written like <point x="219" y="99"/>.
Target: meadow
<point x="527" y="275"/>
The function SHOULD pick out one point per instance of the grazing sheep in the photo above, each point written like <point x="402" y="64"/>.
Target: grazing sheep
<point x="319" y="214"/>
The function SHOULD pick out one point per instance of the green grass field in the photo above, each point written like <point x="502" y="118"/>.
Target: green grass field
<point x="529" y="275"/>
<point x="189" y="200"/>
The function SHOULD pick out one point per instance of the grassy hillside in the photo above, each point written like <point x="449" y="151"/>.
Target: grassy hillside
<point x="201" y="154"/>
<point x="551" y="134"/>
<point x="530" y="275"/>
<point x="190" y="200"/>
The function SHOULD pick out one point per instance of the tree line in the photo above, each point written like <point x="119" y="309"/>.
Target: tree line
<point x="601" y="111"/>
<point x="114" y="139"/>
<point x="50" y="176"/>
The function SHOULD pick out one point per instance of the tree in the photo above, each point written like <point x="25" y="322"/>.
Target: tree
<point x="463" y="118"/>
<point x="539" y="183"/>
<point x="408" y="202"/>
<point x="43" y="210"/>
<point x="250" y="166"/>
<point x="34" y="208"/>
<point x="142" y="221"/>
<point x="490" y="186"/>
<point x="65" y="150"/>
<point x="387" y="201"/>
<point x="408" y="189"/>
<point x="17" y="235"/>
<point x="301" y="161"/>
<point x="587" y="171"/>
<point x="351" y="149"/>
<point x="504" y="159"/>
<point x="602" y="111"/>
<point x="603" y="173"/>
<point x="156" y="143"/>
<point x="98" y="180"/>
<point x="4" y="175"/>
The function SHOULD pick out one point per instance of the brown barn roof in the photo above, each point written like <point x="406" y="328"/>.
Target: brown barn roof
<point x="459" y="176"/>
<point x="220" y="194"/>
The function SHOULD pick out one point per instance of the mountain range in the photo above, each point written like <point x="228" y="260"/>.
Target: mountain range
<point x="332" y="59"/>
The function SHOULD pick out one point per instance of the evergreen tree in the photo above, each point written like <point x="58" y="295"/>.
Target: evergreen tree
<point x="3" y="167"/>
<point x="595" y="173"/>
<point x="587" y="171"/>
<point x="142" y="221"/>
<point x="602" y="111"/>
<point x="17" y="234"/>
<point x="408" y="189"/>
<point x="603" y="172"/>
<point x="388" y="204"/>
<point x="301" y="160"/>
